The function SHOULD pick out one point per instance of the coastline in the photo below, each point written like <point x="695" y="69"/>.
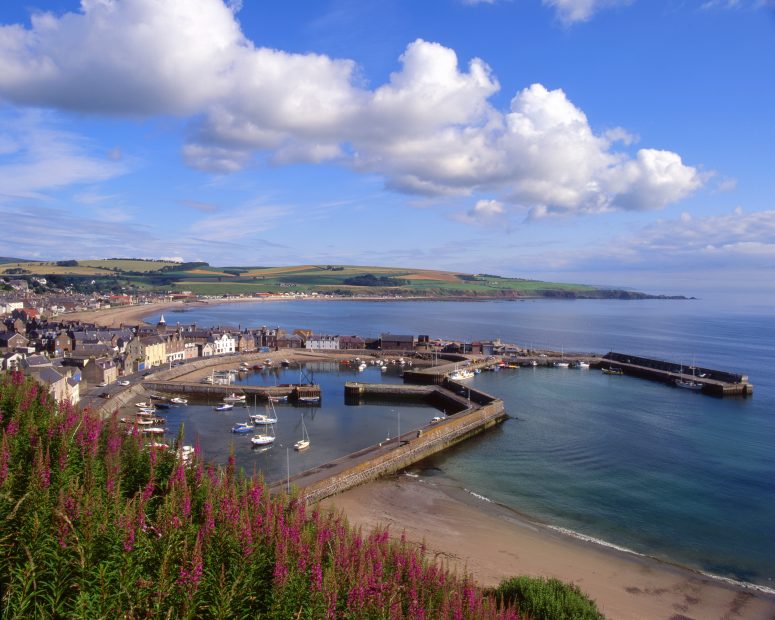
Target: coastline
<point x="471" y="534"/>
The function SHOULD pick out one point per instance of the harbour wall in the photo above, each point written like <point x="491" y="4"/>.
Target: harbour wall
<point x="713" y="382"/>
<point x="384" y="459"/>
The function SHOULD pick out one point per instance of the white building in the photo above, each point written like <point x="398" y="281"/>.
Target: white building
<point x="223" y="343"/>
<point x="320" y="342"/>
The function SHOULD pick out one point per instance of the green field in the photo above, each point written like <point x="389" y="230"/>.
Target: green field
<point x="203" y="279"/>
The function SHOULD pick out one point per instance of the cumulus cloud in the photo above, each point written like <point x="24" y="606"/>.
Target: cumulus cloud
<point x="430" y="129"/>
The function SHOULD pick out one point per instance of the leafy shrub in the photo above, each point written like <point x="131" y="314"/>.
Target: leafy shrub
<point x="547" y="599"/>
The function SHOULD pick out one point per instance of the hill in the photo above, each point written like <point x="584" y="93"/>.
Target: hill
<point x="344" y="280"/>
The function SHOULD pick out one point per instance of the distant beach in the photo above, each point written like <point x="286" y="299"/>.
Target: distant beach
<point x="492" y="543"/>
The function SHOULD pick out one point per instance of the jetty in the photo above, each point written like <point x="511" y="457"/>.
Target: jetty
<point x="713" y="382"/>
<point x="208" y="390"/>
<point x="474" y="414"/>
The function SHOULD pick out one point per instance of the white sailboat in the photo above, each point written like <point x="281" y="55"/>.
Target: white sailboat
<point x="267" y="437"/>
<point x="303" y="443"/>
<point x="265" y="418"/>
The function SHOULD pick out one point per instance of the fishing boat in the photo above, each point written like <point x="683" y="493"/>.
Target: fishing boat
<point x="308" y="399"/>
<point x="144" y="404"/>
<point x="224" y="407"/>
<point x="177" y="400"/>
<point x="162" y="405"/>
<point x="687" y="384"/>
<point x="582" y="364"/>
<point x="234" y="398"/>
<point x="561" y="365"/>
<point x="242" y="427"/>
<point x="278" y="399"/>
<point x="612" y="371"/>
<point x="461" y="374"/>
<point x="303" y="443"/>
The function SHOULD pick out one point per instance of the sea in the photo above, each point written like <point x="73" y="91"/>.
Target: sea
<point x="661" y="471"/>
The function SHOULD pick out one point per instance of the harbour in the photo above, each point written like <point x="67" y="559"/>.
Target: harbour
<point x="622" y="459"/>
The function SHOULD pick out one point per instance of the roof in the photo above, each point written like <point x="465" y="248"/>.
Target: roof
<point x="397" y="337"/>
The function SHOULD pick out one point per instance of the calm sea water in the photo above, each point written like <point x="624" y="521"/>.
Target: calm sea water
<point x="662" y="471"/>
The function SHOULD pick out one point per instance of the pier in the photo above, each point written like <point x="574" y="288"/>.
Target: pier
<point x="207" y="390"/>
<point x="478" y="414"/>
<point x="713" y="382"/>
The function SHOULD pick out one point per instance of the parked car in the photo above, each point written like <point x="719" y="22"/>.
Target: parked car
<point x="103" y="384"/>
<point x="123" y="382"/>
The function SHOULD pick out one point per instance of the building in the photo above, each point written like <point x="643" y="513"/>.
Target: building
<point x="320" y="342"/>
<point x="145" y="352"/>
<point x="351" y="342"/>
<point x="397" y="342"/>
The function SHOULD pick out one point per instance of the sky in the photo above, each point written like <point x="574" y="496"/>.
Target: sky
<point x="617" y="142"/>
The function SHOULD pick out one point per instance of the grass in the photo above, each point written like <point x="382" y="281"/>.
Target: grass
<point x="206" y="280"/>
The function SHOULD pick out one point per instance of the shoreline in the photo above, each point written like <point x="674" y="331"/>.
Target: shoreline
<point x="476" y="535"/>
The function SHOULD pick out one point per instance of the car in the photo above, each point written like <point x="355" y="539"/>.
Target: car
<point x="103" y="384"/>
<point x="147" y="373"/>
<point x="104" y="395"/>
<point x="124" y="382"/>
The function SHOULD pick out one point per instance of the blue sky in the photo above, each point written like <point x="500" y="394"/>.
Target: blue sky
<point x="619" y="142"/>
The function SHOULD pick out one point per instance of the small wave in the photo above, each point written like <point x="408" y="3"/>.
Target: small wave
<point x="603" y="543"/>
<point x="478" y="496"/>
<point x="592" y="539"/>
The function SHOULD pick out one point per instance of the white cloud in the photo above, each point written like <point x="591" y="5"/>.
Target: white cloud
<point x="571" y="11"/>
<point x="487" y="208"/>
<point x="429" y="130"/>
<point x="47" y="158"/>
<point x="738" y="4"/>
<point x="484" y="213"/>
<point x="736" y="239"/>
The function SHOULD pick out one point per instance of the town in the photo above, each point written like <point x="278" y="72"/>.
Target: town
<point x="70" y="357"/>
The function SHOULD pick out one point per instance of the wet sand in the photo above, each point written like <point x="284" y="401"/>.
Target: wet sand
<point x="494" y="543"/>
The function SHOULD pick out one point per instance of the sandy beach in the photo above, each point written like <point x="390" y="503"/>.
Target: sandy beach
<point x="132" y="315"/>
<point x="493" y="543"/>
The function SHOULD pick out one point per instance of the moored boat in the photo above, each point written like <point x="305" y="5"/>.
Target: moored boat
<point x="242" y="427"/>
<point x="177" y="400"/>
<point x="234" y="398"/>
<point x="262" y="439"/>
<point x="224" y="407"/>
<point x="154" y="430"/>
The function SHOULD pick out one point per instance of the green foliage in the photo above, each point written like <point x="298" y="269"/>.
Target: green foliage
<point x="67" y="263"/>
<point x="547" y="599"/>
<point x="370" y="279"/>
